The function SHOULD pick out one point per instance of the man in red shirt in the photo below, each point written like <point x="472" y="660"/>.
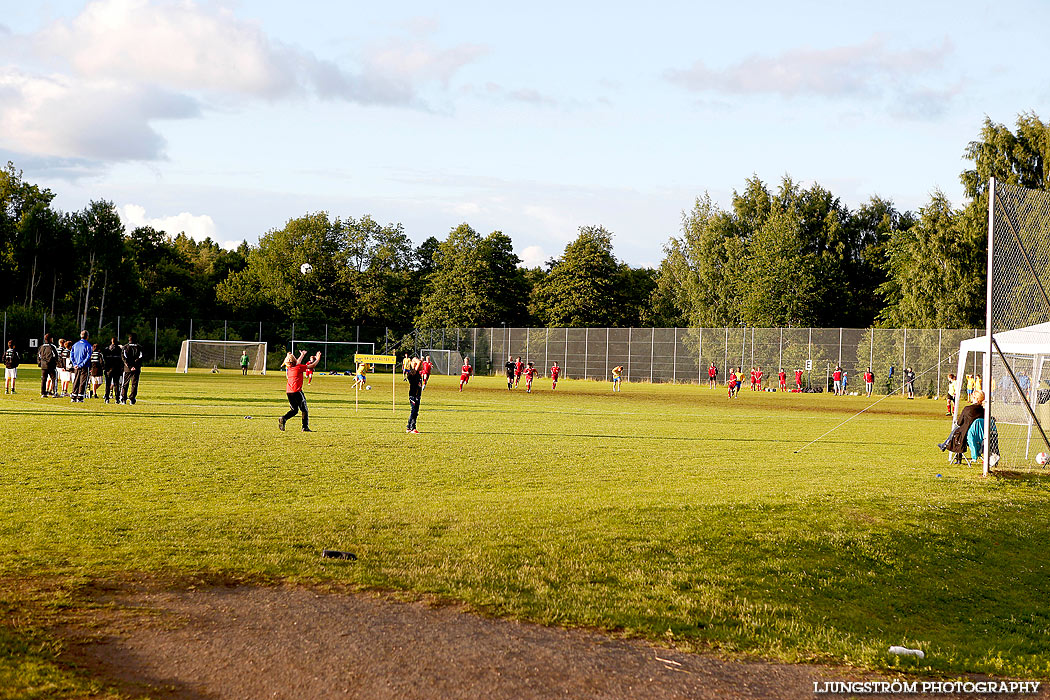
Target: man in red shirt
<point x="530" y="373"/>
<point x="798" y="379"/>
<point x="712" y="375"/>
<point x="783" y="377"/>
<point x="424" y="371"/>
<point x="869" y="382"/>
<point x="555" y="371"/>
<point x="464" y="374"/>
<point x="296" y="397"/>
<point x="518" y="367"/>
<point x="836" y="377"/>
<point x="758" y="378"/>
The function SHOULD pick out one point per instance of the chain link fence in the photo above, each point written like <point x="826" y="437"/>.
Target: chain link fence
<point x="680" y="355"/>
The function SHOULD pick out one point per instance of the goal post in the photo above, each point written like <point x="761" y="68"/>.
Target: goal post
<point x="221" y="355"/>
<point x="1016" y="349"/>
<point x="444" y="361"/>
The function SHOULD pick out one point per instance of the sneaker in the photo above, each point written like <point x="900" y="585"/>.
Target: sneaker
<point x="307" y="430"/>
<point x="414" y="431"/>
<point x="133" y="402"/>
<point x="107" y="400"/>
<point x="993" y="459"/>
<point x="280" y="422"/>
<point x="43" y="396"/>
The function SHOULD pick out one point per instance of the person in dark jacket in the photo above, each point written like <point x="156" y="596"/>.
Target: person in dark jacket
<point x="11" y="361"/>
<point x="113" y="366"/>
<point x="131" y="356"/>
<point x="47" y="360"/>
<point x="415" y="392"/>
<point x="80" y="356"/>
<point x="956" y="441"/>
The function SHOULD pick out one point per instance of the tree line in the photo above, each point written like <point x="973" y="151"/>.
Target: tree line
<point x="779" y="255"/>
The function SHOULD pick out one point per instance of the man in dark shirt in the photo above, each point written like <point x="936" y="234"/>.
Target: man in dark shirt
<point x="415" y="391"/>
<point x="11" y="361"/>
<point x="47" y="359"/>
<point x="131" y="357"/>
<point x="510" y="372"/>
<point x="113" y="366"/>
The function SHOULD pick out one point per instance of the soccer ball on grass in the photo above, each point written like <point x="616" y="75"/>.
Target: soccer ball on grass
<point x="306" y="268"/>
<point x="1042" y="458"/>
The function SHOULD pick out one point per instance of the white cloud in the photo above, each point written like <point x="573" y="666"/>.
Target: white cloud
<point x="196" y="226"/>
<point x="119" y="66"/>
<point x="867" y="69"/>
<point x="533" y="256"/>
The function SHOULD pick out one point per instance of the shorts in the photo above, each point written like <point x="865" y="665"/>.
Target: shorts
<point x="616" y="380"/>
<point x="10" y="373"/>
<point x="96" y="380"/>
<point x="359" y="378"/>
<point x="63" y="376"/>
<point x="464" y="377"/>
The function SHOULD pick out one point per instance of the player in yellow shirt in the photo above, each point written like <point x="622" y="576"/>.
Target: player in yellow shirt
<point x="361" y="376"/>
<point x="616" y="372"/>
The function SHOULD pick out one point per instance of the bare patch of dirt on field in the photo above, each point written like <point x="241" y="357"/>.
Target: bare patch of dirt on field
<point x="250" y="641"/>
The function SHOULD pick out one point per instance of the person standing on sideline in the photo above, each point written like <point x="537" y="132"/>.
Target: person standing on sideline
<point x="509" y="367"/>
<point x="63" y="366"/>
<point x="244" y="362"/>
<point x="465" y="372"/>
<point x="80" y="356"/>
<point x="555" y="371"/>
<point x="869" y="382"/>
<point x="616" y="372"/>
<point x="712" y="376"/>
<point x="114" y="368"/>
<point x="97" y="369"/>
<point x="415" y="392"/>
<point x="783" y="377"/>
<point x="10" y="367"/>
<point x="294" y="388"/>
<point x="47" y="359"/>
<point x="131" y="357"/>
<point x="953" y="387"/>
<point x="909" y="382"/>
<point x="798" y="379"/>
<point x="836" y="376"/>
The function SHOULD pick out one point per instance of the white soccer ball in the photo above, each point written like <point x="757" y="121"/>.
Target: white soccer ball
<point x="1042" y="458"/>
<point x="368" y="388"/>
<point x="306" y="268"/>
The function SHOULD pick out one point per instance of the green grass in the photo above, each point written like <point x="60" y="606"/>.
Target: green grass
<point x="665" y="512"/>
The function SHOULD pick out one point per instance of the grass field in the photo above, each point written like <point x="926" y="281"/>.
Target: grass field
<point x="666" y="512"/>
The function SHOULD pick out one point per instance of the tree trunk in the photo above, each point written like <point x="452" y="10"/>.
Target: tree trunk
<point x="102" y="304"/>
<point x="54" y="288"/>
<point x="87" y="294"/>
<point x="32" y="280"/>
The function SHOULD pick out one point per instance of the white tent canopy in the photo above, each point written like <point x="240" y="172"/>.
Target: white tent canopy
<point x="1030" y="340"/>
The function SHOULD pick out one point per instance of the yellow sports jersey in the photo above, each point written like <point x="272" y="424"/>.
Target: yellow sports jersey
<point x="616" y="372"/>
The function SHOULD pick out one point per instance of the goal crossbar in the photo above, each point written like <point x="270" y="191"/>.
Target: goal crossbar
<point x="221" y="354"/>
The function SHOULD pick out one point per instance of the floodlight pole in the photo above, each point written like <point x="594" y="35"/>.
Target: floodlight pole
<point x="988" y="326"/>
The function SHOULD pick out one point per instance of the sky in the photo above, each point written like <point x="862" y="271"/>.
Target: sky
<point x="226" y="119"/>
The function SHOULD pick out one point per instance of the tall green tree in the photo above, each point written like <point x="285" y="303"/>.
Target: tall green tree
<point x="580" y="288"/>
<point x="98" y="243"/>
<point x="457" y="294"/>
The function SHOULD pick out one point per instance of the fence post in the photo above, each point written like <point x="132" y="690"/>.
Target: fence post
<point x="260" y="331"/>
<point x="586" y="347"/>
<point x="191" y="329"/>
<point x="839" y="363"/>
<point x="743" y="347"/>
<point x="118" y="328"/>
<point x="293" y="338"/>
<point x="937" y="392"/>
<point x="809" y="374"/>
<point x="225" y="338"/>
<point x="904" y="361"/>
<point x="652" y="355"/>
<point x="45" y="328"/>
<point x="629" y="333"/>
<point x="5" y="330"/>
<point x="871" y="354"/>
<point x="674" y="358"/>
<point x="780" y="361"/>
<point x="752" y="347"/>
<point x="606" y="352"/>
<point x="156" y="331"/>
<point x="725" y="363"/>
<point x="326" y="347"/>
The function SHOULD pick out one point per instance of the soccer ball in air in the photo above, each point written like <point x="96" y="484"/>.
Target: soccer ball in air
<point x="368" y="388"/>
<point x="1042" y="458"/>
<point x="306" y="268"/>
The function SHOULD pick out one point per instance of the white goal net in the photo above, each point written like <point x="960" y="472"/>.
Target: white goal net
<point x="221" y="355"/>
<point x="444" y="361"/>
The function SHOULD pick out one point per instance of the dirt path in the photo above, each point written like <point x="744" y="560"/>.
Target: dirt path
<point x="284" y="642"/>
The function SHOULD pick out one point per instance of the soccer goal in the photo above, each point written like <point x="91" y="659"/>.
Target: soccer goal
<point x="444" y="361"/>
<point x="221" y="355"/>
<point x="1016" y="348"/>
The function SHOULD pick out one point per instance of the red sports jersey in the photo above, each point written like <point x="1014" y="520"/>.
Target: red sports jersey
<point x="555" y="371"/>
<point x="465" y="372"/>
<point x="869" y="377"/>
<point x="783" y="376"/>
<point x="711" y="372"/>
<point x="518" y="367"/>
<point x="837" y="376"/>
<point x="732" y="379"/>
<point x="798" y="376"/>
<point x="425" y="367"/>
<point x="295" y="378"/>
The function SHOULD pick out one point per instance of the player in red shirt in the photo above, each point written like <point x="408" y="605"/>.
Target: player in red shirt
<point x="294" y="388"/>
<point x="518" y="367"/>
<point x="424" y="370"/>
<point x="731" y="383"/>
<point x="712" y="376"/>
<point x="530" y="373"/>
<point x="465" y="372"/>
<point x="869" y="381"/>
<point x="836" y="377"/>
<point x="758" y="378"/>
<point x="798" y="379"/>
<point x="783" y="377"/>
<point x="555" y="371"/>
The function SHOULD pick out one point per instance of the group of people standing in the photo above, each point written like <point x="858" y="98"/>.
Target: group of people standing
<point x="78" y="370"/>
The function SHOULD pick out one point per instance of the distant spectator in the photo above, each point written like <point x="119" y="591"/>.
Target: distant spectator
<point x="80" y="358"/>
<point x="114" y="368"/>
<point x="47" y="360"/>
<point x="10" y="367"/>
<point x="96" y="370"/>
<point x="131" y="356"/>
